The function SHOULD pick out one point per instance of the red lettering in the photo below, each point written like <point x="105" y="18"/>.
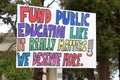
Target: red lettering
<point x="48" y="16"/>
<point x="65" y="59"/>
<point x="75" y="57"/>
<point x="32" y="14"/>
<point x="40" y="15"/>
<point x="78" y="60"/>
<point x="22" y="11"/>
<point x="35" y="14"/>
<point x="72" y="59"/>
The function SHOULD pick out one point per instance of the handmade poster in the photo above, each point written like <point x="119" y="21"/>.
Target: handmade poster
<point x="54" y="38"/>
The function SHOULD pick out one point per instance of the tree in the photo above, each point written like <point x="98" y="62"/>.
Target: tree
<point x="9" y="70"/>
<point x="10" y="9"/>
<point x="108" y="27"/>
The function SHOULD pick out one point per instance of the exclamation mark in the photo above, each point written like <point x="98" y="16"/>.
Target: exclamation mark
<point x="90" y="48"/>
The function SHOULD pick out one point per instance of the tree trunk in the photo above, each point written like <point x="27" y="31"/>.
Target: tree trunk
<point x="0" y="76"/>
<point x="91" y="74"/>
<point x="38" y="74"/>
<point x="103" y="68"/>
<point x="119" y="64"/>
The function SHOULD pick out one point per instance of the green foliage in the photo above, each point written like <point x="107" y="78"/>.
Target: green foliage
<point x="10" y="9"/>
<point x="107" y="43"/>
<point x="36" y="3"/>
<point x="78" y="5"/>
<point x="80" y="73"/>
<point x="107" y="21"/>
<point x="8" y="68"/>
<point x="107" y="24"/>
<point x="1" y="39"/>
<point x="7" y="63"/>
<point x="107" y="37"/>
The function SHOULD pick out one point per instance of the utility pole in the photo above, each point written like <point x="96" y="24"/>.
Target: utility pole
<point x="119" y="64"/>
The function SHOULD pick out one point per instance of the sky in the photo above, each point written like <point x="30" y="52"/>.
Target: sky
<point x="4" y="27"/>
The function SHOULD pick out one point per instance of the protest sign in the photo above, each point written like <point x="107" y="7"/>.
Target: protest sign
<point x="53" y="38"/>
